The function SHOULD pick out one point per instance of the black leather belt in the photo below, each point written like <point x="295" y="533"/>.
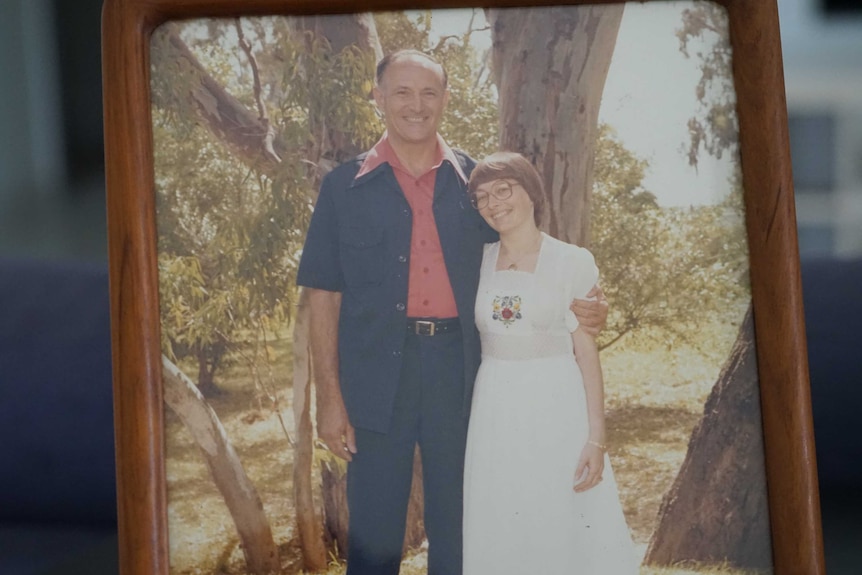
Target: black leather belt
<point x="431" y="326"/>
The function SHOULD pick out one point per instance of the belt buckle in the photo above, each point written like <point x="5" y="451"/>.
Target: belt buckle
<point x="425" y="327"/>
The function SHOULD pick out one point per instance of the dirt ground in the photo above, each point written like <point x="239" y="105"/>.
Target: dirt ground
<point x="654" y="400"/>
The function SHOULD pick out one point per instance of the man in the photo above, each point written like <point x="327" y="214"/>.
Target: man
<point x="392" y="263"/>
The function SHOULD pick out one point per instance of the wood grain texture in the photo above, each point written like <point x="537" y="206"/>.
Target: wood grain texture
<point x="134" y="294"/>
<point x="775" y="272"/>
<point x="776" y="286"/>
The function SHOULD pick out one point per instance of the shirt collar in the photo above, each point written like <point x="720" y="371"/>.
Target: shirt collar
<point x="382" y="153"/>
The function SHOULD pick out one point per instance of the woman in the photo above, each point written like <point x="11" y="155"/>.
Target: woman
<point x="539" y="493"/>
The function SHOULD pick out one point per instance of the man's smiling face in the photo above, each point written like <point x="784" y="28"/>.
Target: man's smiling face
<point x="412" y="97"/>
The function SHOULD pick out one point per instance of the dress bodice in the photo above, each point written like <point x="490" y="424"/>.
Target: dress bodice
<point x="524" y="315"/>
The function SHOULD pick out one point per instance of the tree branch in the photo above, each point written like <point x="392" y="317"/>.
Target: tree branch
<point x="269" y="137"/>
<point x="442" y="41"/>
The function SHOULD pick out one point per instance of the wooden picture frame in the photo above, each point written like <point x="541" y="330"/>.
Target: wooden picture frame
<point x="770" y="220"/>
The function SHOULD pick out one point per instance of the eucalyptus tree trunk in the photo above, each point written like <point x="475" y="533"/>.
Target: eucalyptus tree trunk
<point x="328" y="147"/>
<point x="333" y="146"/>
<point x="243" y="131"/>
<point x="550" y="66"/>
<point x="309" y="527"/>
<point x="247" y="135"/>
<point x="716" y="511"/>
<point x="240" y="495"/>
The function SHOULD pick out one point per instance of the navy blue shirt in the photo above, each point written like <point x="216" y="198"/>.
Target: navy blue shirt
<point x="358" y="244"/>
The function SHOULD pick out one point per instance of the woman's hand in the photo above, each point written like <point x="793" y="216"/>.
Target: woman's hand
<point x="590" y="467"/>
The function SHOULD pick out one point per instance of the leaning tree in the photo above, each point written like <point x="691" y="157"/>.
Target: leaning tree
<point x="716" y="510"/>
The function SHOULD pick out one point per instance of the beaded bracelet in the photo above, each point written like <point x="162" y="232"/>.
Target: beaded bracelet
<point x="601" y="446"/>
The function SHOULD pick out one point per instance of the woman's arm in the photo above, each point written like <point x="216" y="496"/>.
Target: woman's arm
<point x="592" y="458"/>
<point x="591" y="311"/>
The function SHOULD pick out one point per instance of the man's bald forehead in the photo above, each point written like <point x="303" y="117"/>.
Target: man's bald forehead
<point x="408" y="55"/>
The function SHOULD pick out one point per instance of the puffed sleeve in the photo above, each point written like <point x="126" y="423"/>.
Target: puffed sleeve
<point x="319" y="266"/>
<point x="582" y="274"/>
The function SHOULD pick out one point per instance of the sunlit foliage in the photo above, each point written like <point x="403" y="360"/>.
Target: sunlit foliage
<point x="704" y="36"/>
<point x="665" y="268"/>
<point x="230" y="233"/>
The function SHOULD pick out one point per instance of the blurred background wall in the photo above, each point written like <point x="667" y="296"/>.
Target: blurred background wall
<point x="51" y="166"/>
<point x="52" y="203"/>
<point x="51" y="157"/>
<point x="822" y="46"/>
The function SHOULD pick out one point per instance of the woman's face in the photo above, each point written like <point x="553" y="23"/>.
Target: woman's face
<point x="505" y="205"/>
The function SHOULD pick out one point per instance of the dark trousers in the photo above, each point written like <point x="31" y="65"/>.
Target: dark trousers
<point x="428" y="410"/>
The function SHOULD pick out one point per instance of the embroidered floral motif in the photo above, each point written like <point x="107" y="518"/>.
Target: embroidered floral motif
<point x="507" y="309"/>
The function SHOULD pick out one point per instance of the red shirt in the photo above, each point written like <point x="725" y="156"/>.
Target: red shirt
<point x="429" y="293"/>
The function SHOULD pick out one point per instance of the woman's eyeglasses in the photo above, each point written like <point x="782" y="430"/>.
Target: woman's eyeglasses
<point x="501" y="191"/>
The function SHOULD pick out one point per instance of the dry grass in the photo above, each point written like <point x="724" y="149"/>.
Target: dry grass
<point x="655" y="398"/>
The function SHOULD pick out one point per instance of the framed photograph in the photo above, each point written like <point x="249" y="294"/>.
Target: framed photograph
<point x="657" y="134"/>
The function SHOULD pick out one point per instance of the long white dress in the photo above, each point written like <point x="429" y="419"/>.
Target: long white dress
<point x="528" y="425"/>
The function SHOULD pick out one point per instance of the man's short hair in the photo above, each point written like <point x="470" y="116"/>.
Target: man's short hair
<point x="512" y="166"/>
<point x="407" y="53"/>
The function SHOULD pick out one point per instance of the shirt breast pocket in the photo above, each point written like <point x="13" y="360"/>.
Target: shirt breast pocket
<point x="362" y="256"/>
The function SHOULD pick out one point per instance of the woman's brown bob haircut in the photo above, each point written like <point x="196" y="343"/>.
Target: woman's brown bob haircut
<point x="511" y="166"/>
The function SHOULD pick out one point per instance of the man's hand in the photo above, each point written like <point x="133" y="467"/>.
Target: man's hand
<point x="333" y="425"/>
<point x="334" y="429"/>
<point x="592" y="314"/>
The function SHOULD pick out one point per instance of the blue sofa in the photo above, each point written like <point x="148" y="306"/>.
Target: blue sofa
<point x="57" y="489"/>
<point x="832" y="292"/>
<point x="57" y="485"/>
